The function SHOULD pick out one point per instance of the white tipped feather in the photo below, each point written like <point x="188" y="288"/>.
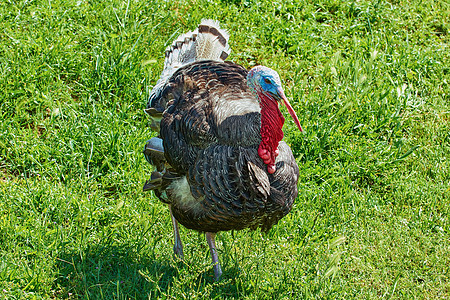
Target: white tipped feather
<point x="207" y="42"/>
<point x="212" y="41"/>
<point x="216" y="24"/>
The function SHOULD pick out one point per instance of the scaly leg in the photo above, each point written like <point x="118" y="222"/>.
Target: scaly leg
<point x="210" y="238"/>
<point x="177" y="246"/>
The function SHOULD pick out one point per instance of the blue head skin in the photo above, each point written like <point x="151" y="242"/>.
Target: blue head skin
<point x="265" y="81"/>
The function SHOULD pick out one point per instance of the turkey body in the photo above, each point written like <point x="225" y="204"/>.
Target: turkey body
<point x="211" y="132"/>
<point x="219" y="159"/>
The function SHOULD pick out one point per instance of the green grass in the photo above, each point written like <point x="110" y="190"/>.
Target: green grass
<point x="369" y="81"/>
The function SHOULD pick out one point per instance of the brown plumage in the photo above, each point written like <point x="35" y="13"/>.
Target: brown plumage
<point x="209" y="167"/>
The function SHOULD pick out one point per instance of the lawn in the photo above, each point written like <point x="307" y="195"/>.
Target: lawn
<point x="370" y="84"/>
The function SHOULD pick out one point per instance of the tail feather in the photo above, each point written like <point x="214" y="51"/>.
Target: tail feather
<point x="207" y="42"/>
<point x="182" y="51"/>
<point x="212" y="41"/>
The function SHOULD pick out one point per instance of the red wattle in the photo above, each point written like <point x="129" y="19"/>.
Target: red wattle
<point x="271" y="169"/>
<point x="263" y="153"/>
<point x="271" y="131"/>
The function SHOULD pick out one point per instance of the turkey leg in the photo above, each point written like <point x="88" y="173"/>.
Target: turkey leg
<point x="177" y="245"/>
<point x="210" y="238"/>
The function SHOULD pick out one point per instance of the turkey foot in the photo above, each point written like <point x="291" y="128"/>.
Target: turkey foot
<point x="177" y="245"/>
<point x="210" y="238"/>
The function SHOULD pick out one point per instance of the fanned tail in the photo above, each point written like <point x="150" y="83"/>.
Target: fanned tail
<point x="212" y="41"/>
<point x="207" y="42"/>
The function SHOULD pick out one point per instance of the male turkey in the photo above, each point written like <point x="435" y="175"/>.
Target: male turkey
<point x="220" y="162"/>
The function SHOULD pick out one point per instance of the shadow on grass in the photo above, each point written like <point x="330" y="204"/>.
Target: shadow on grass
<point x="101" y="272"/>
<point x="106" y="272"/>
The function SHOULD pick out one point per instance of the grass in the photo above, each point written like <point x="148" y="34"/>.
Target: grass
<point x="369" y="81"/>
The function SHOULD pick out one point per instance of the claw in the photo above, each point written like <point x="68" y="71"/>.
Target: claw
<point x="154" y="113"/>
<point x="154" y="182"/>
<point x="154" y="153"/>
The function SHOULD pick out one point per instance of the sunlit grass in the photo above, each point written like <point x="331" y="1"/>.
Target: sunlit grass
<point x="369" y="81"/>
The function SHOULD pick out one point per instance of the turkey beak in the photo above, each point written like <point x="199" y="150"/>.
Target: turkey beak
<point x="282" y="96"/>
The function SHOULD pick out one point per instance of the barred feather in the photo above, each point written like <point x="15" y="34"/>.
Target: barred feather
<point x="207" y="42"/>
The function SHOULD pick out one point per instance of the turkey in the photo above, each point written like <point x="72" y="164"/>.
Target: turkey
<point x="219" y="160"/>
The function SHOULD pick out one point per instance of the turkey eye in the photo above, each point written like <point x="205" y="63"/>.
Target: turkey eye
<point x="266" y="80"/>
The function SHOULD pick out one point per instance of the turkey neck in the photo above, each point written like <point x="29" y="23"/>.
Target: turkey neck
<point x="271" y="131"/>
